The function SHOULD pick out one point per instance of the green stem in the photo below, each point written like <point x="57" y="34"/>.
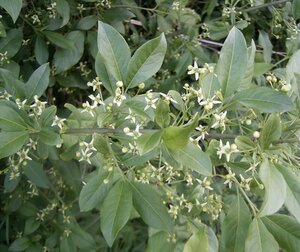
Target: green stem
<point x="254" y="8"/>
<point x="139" y="8"/>
<point x="90" y="131"/>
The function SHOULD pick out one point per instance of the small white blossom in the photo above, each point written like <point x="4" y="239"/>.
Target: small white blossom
<point x="95" y="84"/>
<point x="151" y="103"/>
<point x="32" y="144"/>
<point x="203" y="132"/>
<point x="168" y="98"/>
<point x="119" y="97"/>
<point x="227" y="150"/>
<point x="135" y="133"/>
<point x="229" y="178"/>
<point x="130" y="116"/>
<point x="220" y="120"/>
<point x="97" y="100"/>
<point x="21" y="104"/>
<point x="38" y="106"/>
<point x="58" y="122"/>
<point x="88" y="108"/>
<point x="194" y="70"/>
<point x="209" y="103"/>
<point x="85" y="156"/>
<point x="23" y="155"/>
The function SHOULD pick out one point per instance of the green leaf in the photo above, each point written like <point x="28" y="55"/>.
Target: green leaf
<point x="13" y="86"/>
<point x="49" y="136"/>
<point x="41" y="50"/>
<point x="232" y="63"/>
<point x="292" y="69"/>
<point x="86" y="23"/>
<point x="148" y="141"/>
<point x="13" y="7"/>
<point x="176" y="138"/>
<point x="264" y="99"/>
<point x="115" y="211"/>
<point x="192" y="157"/>
<point x="65" y="58"/>
<point x="38" y="82"/>
<point x="162" y="114"/>
<point x="31" y="225"/>
<point x="67" y="244"/>
<point x="47" y="116"/>
<point x="11" y="142"/>
<point x="20" y="244"/>
<point x="2" y="30"/>
<point x="101" y="144"/>
<point x="81" y="238"/>
<point x="59" y="40"/>
<point x="150" y="207"/>
<point x="296" y="9"/>
<point x="203" y="240"/>
<point x="11" y="119"/>
<point x="271" y="131"/>
<point x="12" y="42"/>
<point x="247" y="78"/>
<point x="235" y="225"/>
<point x="146" y="61"/>
<point x="275" y="188"/>
<point x="114" y="51"/>
<point x="266" y="44"/>
<point x="259" y="238"/>
<point x="94" y="191"/>
<point x="108" y="81"/>
<point x="244" y="143"/>
<point x="292" y="180"/>
<point x="159" y="243"/>
<point x="285" y="230"/>
<point x="35" y="173"/>
<point x="210" y="85"/>
<point x="63" y="9"/>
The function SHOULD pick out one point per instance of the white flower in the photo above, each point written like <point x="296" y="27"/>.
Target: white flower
<point x="150" y="103"/>
<point x="220" y="120"/>
<point x="135" y="133"/>
<point x="88" y="108"/>
<point x="21" y="104"/>
<point x="202" y="131"/>
<point x="89" y="146"/>
<point x="97" y="100"/>
<point x="168" y="98"/>
<point x="38" y="106"/>
<point x="85" y="156"/>
<point x="95" y="84"/>
<point x="205" y="183"/>
<point x="194" y="70"/>
<point x="227" y="150"/>
<point x="58" y="122"/>
<point x="119" y="97"/>
<point x="130" y="116"/>
<point x="229" y="178"/>
<point x="32" y="144"/>
<point x="209" y="103"/>
<point x="23" y="155"/>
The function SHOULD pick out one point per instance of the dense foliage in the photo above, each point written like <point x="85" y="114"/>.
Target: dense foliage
<point x="150" y="125"/>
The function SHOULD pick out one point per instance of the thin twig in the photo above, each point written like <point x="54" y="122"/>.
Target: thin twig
<point x="217" y="44"/>
<point x="264" y="5"/>
<point x="90" y="131"/>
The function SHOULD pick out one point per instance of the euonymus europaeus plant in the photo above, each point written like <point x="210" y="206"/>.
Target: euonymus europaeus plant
<point x="211" y="166"/>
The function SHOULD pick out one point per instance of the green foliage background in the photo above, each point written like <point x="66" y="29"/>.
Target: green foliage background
<point x="58" y="196"/>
